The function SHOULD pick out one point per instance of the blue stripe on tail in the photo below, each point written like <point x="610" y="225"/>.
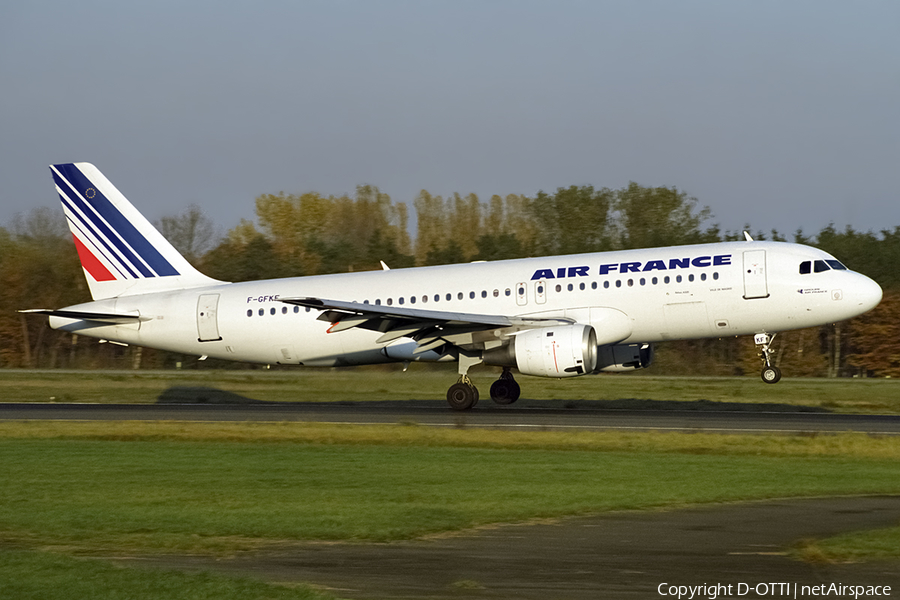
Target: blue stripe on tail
<point x="122" y="226"/>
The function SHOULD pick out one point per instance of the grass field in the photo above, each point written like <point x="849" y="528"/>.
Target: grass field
<point x="221" y="488"/>
<point x="424" y="383"/>
<point x="73" y="490"/>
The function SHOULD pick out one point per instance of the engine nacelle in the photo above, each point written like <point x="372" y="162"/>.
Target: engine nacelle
<point x="565" y="351"/>
<point x="624" y="357"/>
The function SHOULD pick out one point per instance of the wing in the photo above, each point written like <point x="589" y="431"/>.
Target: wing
<point x="431" y="329"/>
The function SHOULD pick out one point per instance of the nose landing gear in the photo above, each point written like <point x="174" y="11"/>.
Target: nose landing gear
<point x="770" y="373"/>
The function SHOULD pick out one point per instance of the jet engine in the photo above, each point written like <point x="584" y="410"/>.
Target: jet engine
<point x="565" y="351"/>
<point x="624" y="357"/>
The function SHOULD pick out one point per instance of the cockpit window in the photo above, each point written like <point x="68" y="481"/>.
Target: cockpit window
<point x="820" y="266"/>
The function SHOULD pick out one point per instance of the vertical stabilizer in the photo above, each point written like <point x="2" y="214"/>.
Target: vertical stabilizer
<point x="120" y="251"/>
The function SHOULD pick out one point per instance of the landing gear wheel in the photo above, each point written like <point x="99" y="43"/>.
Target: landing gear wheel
<point x="462" y="396"/>
<point x="505" y="391"/>
<point x="771" y="374"/>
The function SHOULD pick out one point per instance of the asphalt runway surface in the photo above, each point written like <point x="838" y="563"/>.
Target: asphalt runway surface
<point x="526" y="415"/>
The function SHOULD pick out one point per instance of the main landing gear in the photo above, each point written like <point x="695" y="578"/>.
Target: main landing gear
<point x="770" y="373"/>
<point x="463" y="394"/>
<point x="505" y="390"/>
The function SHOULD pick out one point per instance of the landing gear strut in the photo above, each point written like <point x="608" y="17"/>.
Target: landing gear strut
<point x="505" y="390"/>
<point x="770" y="373"/>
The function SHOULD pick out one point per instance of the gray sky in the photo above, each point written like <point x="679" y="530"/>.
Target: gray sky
<point x="780" y="114"/>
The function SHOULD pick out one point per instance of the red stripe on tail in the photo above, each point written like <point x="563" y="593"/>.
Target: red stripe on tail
<point x="92" y="264"/>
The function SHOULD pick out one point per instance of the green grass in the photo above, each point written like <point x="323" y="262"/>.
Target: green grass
<point x="73" y="490"/>
<point x="34" y="575"/>
<point x="430" y="383"/>
<point x="217" y="497"/>
<point x="878" y="544"/>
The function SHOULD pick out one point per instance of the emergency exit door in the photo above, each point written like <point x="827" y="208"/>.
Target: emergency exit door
<point x="755" y="285"/>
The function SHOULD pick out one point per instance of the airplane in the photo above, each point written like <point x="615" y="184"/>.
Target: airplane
<point x="558" y="316"/>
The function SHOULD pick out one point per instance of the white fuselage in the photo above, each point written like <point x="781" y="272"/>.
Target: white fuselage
<point x="686" y="292"/>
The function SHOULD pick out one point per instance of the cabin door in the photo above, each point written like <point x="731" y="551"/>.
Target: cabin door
<point x="755" y="274"/>
<point x="207" y="318"/>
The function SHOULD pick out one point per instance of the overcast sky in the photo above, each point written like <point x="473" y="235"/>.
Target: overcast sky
<point x="778" y="114"/>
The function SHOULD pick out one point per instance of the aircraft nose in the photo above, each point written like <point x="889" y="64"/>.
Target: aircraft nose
<point x="867" y="293"/>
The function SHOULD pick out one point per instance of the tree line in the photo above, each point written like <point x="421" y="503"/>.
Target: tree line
<point x="308" y="234"/>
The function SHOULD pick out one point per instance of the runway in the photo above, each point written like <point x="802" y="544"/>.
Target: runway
<point x="526" y="415"/>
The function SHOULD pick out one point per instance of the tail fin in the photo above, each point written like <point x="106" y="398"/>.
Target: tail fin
<point x="120" y="251"/>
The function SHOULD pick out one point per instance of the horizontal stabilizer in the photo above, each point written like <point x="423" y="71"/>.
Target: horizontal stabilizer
<point x="87" y="316"/>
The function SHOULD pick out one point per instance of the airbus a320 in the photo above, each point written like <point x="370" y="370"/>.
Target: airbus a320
<point x="559" y="316"/>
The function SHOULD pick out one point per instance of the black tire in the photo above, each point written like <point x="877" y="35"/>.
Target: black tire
<point x="771" y="374"/>
<point x="462" y="396"/>
<point x="505" y="391"/>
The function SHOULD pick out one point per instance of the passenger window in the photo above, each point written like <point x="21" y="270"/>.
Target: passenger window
<point x="558" y="288"/>
<point x="605" y="285"/>
<point x="581" y="286"/>
<point x="593" y="285"/>
<point x="691" y="277"/>
<point x="296" y="309"/>
<point x="412" y="299"/>
<point x="484" y="293"/>
<point x="284" y="310"/>
<point x="667" y="279"/>
<point x="716" y="276"/>
<point x="618" y="283"/>
<point x="678" y="278"/>
<point x="571" y="287"/>
<point x="702" y="276"/>
<point x="508" y="292"/>
<point x="497" y="293"/>
<point x="250" y="313"/>
<point x="819" y="266"/>
<point x="643" y="281"/>
<point x="805" y="267"/>
<point x="655" y="280"/>
<point x="471" y="295"/>
<point x="459" y="296"/>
